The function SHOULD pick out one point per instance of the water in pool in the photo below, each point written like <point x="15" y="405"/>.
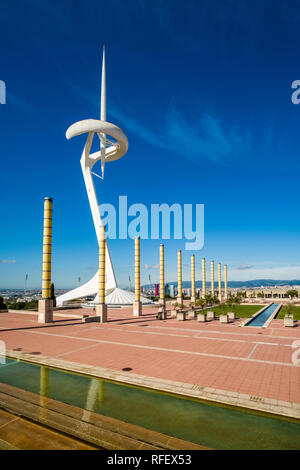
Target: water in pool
<point x="261" y="319"/>
<point x="218" y="427"/>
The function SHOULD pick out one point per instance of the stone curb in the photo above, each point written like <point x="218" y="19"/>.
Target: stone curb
<point x="266" y="405"/>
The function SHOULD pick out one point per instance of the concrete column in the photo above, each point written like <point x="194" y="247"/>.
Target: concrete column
<point x="225" y="281"/>
<point x="137" y="306"/>
<point x="193" y="296"/>
<point x="212" y="274"/>
<point x="220" y="281"/>
<point x="203" y="278"/>
<point x="45" y="314"/>
<point x="162" y="275"/>
<point x="179" y="278"/>
<point x="101" y="308"/>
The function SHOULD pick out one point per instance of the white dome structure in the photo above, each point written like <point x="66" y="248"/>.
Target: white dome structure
<point x="119" y="297"/>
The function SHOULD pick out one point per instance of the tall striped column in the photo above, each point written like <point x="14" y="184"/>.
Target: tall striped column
<point x="162" y="275"/>
<point x="46" y="303"/>
<point x="137" y="270"/>
<point x="193" y="296"/>
<point x="203" y="278"/>
<point x="220" y="281"/>
<point x="225" y="281"/>
<point x="47" y="248"/>
<point x="101" y="308"/>
<point x="137" y="279"/>
<point x="212" y="275"/>
<point x="101" y="286"/>
<point x="179" y="278"/>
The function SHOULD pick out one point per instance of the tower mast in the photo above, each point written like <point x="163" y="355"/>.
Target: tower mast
<point x="103" y="89"/>
<point x="103" y="112"/>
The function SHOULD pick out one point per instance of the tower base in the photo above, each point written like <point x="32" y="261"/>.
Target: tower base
<point x="137" y="308"/>
<point x="101" y="312"/>
<point x="45" y="311"/>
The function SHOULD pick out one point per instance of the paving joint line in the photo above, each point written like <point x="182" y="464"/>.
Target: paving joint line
<point x="155" y="348"/>
<point x="252" y="351"/>
<point x="201" y="337"/>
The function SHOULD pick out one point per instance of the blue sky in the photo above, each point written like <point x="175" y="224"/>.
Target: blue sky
<point x="203" y="92"/>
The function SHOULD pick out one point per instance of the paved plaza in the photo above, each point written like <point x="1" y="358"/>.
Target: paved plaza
<point x="246" y="360"/>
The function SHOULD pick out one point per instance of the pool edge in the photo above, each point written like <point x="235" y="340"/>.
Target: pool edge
<point x="223" y="397"/>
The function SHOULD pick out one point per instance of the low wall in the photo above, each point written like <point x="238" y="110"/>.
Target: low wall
<point x="108" y="433"/>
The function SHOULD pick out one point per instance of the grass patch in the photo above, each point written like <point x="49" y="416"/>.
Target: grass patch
<point x="282" y="313"/>
<point x="241" y="311"/>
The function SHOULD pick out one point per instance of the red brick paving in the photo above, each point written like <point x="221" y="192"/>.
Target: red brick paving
<point x="249" y="360"/>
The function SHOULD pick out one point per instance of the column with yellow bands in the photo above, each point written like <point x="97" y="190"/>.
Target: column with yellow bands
<point x="137" y="269"/>
<point x="212" y="274"/>
<point x="102" y="242"/>
<point x="193" y="276"/>
<point x="225" y="281"/>
<point x="220" y="281"/>
<point x="47" y="249"/>
<point x="203" y="278"/>
<point x="179" y="276"/>
<point x="162" y="274"/>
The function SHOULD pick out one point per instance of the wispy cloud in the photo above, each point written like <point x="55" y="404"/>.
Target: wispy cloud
<point x="148" y="266"/>
<point x="137" y="128"/>
<point x="7" y="261"/>
<point x="259" y="271"/>
<point x="245" y="266"/>
<point x="208" y="138"/>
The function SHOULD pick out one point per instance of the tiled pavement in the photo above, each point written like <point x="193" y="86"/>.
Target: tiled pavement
<point x="248" y="360"/>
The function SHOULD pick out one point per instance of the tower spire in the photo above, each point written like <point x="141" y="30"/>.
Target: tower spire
<point x="103" y="88"/>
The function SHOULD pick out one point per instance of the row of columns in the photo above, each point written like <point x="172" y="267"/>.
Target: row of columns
<point x="46" y="303"/>
<point x="212" y="271"/>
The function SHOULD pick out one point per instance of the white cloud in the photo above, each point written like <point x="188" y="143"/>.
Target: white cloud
<point x="278" y="272"/>
<point x="245" y="266"/>
<point x="148" y="266"/>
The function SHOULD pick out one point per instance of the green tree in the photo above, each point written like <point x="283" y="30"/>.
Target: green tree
<point x="230" y="300"/>
<point x="292" y="293"/>
<point x="32" y="305"/>
<point x="178" y="306"/>
<point x="52" y="294"/>
<point x="208" y="299"/>
<point x="2" y="304"/>
<point x="290" y="308"/>
<point x="201" y="303"/>
<point x="223" y="308"/>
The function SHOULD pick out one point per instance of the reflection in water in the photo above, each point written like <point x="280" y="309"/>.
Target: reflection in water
<point x="95" y="393"/>
<point x="218" y="427"/>
<point x="44" y="390"/>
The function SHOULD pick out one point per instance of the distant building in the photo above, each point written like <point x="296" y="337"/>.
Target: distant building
<point x="172" y="290"/>
<point x="156" y="290"/>
<point x="271" y="292"/>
